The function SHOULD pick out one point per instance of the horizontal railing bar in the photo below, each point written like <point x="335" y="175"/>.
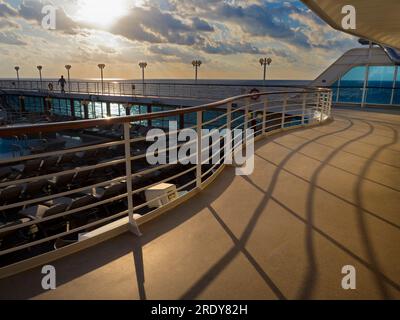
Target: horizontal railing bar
<point x="63" y="214"/>
<point x="59" y="195"/>
<point x="62" y="173"/>
<point x="164" y="180"/>
<point x="61" y="152"/>
<point x="90" y="225"/>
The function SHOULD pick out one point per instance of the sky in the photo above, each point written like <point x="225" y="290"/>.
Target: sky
<point x="228" y="36"/>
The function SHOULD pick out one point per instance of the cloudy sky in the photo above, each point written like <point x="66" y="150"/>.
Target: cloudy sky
<point x="229" y="36"/>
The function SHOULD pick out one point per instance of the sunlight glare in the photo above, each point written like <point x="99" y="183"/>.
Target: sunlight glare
<point x="102" y="13"/>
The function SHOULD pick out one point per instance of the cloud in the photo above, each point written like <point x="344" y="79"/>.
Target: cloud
<point x="31" y="10"/>
<point x="8" y="24"/>
<point x="6" y="10"/>
<point x="152" y="25"/>
<point x="173" y="53"/>
<point x="226" y="48"/>
<point x="11" y="39"/>
<point x="201" y="25"/>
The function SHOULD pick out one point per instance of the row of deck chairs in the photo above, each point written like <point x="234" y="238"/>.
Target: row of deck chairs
<point x="116" y="131"/>
<point x="59" y="206"/>
<point x="78" y="200"/>
<point x="39" y="166"/>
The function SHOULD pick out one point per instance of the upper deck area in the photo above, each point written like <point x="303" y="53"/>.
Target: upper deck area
<point x="319" y="199"/>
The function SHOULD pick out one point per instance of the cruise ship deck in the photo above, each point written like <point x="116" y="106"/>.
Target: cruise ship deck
<point x="320" y="198"/>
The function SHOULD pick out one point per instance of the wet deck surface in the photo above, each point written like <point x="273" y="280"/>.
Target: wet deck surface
<point x="319" y="199"/>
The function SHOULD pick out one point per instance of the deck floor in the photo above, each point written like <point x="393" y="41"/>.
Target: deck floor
<point x="319" y="199"/>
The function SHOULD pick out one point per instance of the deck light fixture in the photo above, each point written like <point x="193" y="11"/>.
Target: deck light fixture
<point x="264" y="63"/>
<point x="17" y="70"/>
<point x="40" y="76"/>
<point x="101" y="67"/>
<point x="196" y="64"/>
<point x="143" y="65"/>
<point x="68" y="67"/>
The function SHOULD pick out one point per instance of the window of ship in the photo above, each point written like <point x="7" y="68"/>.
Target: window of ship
<point x="396" y="93"/>
<point x="369" y="85"/>
<point x="380" y="84"/>
<point x="351" y="85"/>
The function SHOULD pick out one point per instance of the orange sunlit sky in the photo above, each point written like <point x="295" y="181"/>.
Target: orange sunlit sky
<point x="229" y="36"/>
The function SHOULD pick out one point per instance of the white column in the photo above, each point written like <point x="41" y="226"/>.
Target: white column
<point x="303" y="116"/>
<point x="127" y="136"/>
<point x="285" y="100"/>
<point x="199" y="147"/>
<point x="264" y="117"/>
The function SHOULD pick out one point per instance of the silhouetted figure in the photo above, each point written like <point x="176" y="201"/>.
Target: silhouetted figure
<point x="62" y="83"/>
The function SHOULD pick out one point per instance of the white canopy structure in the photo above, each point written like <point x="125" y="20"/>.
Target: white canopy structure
<point x="376" y="20"/>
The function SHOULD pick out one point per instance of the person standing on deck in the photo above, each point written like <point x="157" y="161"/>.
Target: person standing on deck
<point x="62" y="83"/>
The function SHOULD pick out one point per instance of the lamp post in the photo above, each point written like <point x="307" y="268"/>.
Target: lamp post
<point x="68" y="67"/>
<point x="264" y="63"/>
<point x="143" y="65"/>
<point x="196" y="64"/>
<point x="17" y="70"/>
<point x="40" y="76"/>
<point x="101" y="67"/>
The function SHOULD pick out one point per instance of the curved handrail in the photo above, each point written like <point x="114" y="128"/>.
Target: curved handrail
<point x="79" y="124"/>
<point x="290" y="108"/>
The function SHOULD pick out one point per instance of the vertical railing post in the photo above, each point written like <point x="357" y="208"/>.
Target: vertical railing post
<point x="321" y="108"/>
<point x="128" y="169"/>
<point x="246" y="115"/>
<point x="317" y="104"/>
<point x="228" y="134"/>
<point x="284" y="106"/>
<point x="264" y="117"/>
<point x="303" y="113"/>
<point x="229" y="116"/>
<point x="199" y="148"/>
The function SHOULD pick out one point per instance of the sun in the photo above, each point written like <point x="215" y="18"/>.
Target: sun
<point x="102" y="13"/>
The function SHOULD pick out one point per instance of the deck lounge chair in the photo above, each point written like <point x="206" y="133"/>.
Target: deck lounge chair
<point x="88" y="156"/>
<point x="5" y="172"/>
<point x="108" y="192"/>
<point x="81" y="178"/>
<point x="10" y="194"/>
<point x="12" y="238"/>
<point x="62" y="182"/>
<point x="49" y="164"/>
<point x="75" y="203"/>
<point x="41" y="211"/>
<point x="29" y="169"/>
<point x="67" y="160"/>
<point x="35" y="189"/>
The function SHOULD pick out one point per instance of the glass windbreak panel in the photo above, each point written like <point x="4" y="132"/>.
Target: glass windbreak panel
<point x="78" y="109"/>
<point x="396" y="97"/>
<point x="115" y="112"/>
<point x="92" y="110"/>
<point x="351" y="85"/>
<point x="352" y="95"/>
<point x="334" y="88"/>
<point x="380" y="83"/>
<point x="122" y="110"/>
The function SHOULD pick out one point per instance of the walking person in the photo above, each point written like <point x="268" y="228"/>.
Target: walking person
<point x="62" y="83"/>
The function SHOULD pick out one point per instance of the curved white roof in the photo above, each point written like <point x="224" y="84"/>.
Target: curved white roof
<point x="376" y="20"/>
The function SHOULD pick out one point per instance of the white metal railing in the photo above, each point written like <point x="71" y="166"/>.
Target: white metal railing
<point x="127" y="88"/>
<point x="90" y="171"/>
